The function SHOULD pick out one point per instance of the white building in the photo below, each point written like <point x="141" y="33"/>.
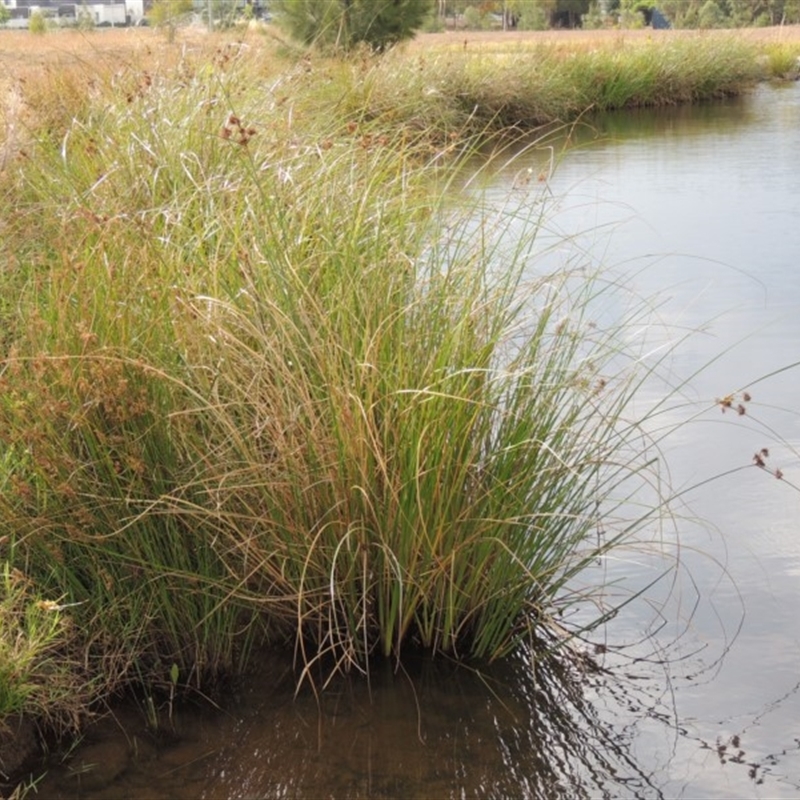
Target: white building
<point x="107" y="12"/>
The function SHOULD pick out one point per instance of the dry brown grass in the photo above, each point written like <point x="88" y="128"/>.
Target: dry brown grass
<point x="22" y="54"/>
<point x="592" y="38"/>
<point x="19" y="51"/>
<point x="43" y="79"/>
<point x="44" y="71"/>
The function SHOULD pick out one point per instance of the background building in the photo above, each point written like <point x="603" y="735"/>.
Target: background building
<point x="107" y="12"/>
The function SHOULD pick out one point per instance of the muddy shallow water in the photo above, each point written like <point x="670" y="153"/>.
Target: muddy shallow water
<point x="698" y="691"/>
<point x="426" y="730"/>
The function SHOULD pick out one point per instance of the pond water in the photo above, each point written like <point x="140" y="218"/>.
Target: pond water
<point x="700" y="208"/>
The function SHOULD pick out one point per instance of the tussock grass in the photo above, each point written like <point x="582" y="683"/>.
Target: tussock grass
<point x="782" y="60"/>
<point x="260" y="380"/>
<point x="41" y="672"/>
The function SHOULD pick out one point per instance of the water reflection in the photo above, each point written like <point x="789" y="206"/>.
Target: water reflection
<point x="436" y="730"/>
<point x="428" y="730"/>
<point x="676" y="126"/>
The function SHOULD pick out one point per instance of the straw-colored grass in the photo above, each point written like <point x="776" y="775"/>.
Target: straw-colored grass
<point x="580" y="39"/>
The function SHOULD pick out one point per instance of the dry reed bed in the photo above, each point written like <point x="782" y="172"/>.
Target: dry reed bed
<point x="22" y="54"/>
<point x="788" y="34"/>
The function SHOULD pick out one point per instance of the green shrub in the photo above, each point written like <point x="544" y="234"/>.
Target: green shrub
<point x="783" y="60"/>
<point x="344" y="24"/>
<point x="37" y="23"/>
<point x="85" y="20"/>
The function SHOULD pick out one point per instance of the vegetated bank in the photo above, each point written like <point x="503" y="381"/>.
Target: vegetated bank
<point x="260" y="382"/>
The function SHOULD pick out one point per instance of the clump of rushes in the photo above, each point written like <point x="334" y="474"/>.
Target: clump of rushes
<point x="782" y="60"/>
<point x="41" y="673"/>
<point x="259" y="383"/>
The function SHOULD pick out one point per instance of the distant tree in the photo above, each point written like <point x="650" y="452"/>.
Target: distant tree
<point x="536" y="16"/>
<point x="681" y="13"/>
<point x="37" y="23"/>
<point x="568" y="13"/>
<point x="448" y="10"/>
<point x="593" y="18"/>
<point x="221" y="13"/>
<point x="776" y="11"/>
<point x="475" y="19"/>
<point x="85" y="19"/>
<point x="346" y="23"/>
<point x="733" y="13"/>
<point x="751" y="12"/>
<point x="711" y="15"/>
<point x="510" y="12"/>
<point x="167" y="13"/>
<point x="308" y="21"/>
<point x="741" y="12"/>
<point x="791" y="12"/>
<point x="5" y="14"/>
<point x="642" y="8"/>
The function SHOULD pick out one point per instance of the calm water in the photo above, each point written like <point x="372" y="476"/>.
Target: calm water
<point x="700" y="208"/>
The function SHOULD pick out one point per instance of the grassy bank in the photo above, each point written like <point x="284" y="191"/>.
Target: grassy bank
<point x="259" y="381"/>
<point x="438" y="84"/>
